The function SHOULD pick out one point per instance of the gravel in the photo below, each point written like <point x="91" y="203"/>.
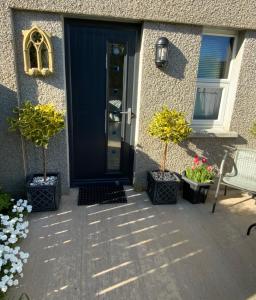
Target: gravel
<point x="163" y="176"/>
<point x="39" y="180"/>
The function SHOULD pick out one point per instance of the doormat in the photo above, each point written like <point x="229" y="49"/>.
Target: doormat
<point x="102" y="193"/>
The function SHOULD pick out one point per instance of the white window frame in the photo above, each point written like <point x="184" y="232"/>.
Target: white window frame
<point x="225" y="103"/>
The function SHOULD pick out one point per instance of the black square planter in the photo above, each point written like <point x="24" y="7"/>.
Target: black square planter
<point x="46" y="197"/>
<point x="162" y="191"/>
<point x="194" y="192"/>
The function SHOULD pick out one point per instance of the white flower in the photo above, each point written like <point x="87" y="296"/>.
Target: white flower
<point x="29" y="208"/>
<point x="11" y="230"/>
<point x="4" y="237"/>
<point x="4" y="288"/>
<point x="15" y="282"/>
<point x="10" y="282"/>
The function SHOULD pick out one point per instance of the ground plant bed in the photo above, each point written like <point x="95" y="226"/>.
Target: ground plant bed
<point x="163" y="187"/>
<point x="44" y="196"/>
<point x="194" y="192"/>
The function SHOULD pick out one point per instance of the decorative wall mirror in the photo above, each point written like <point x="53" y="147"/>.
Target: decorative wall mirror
<point x="37" y="52"/>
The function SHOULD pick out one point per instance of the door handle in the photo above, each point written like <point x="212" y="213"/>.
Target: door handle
<point x="129" y="114"/>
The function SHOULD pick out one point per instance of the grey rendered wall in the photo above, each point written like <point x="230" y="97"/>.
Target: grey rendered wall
<point x="225" y="13"/>
<point x="11" y="162"/>
<point x="177" y="87"/>
<point x="174" y="87"/>
<point x="44" y="90"/>
<point x="245" y="105"/>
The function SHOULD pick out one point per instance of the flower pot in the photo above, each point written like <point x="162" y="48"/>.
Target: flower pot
<point x="163" y="187"/>
<point x="44" y="197"/>
<point x="194" y="192"/>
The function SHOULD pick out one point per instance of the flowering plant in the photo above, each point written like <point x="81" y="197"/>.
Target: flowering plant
<point x="13" y="227"/>
<point x="200" y="171"/>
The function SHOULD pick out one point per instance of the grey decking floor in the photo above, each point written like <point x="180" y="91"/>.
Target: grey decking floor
<point x="140" y="251"/>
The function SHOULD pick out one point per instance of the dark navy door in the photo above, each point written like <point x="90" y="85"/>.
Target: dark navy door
<point x="101" y="79"/>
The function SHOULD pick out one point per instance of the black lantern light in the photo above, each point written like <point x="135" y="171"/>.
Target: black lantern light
<point x="161" y="58"/>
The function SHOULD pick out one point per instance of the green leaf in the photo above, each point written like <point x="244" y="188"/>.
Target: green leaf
<point x="37" y="123"/>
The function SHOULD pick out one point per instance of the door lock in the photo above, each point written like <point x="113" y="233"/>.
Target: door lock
<point x="129" y="114"/>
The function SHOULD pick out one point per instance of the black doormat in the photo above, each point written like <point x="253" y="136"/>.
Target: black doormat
<point x="103" y="193"/>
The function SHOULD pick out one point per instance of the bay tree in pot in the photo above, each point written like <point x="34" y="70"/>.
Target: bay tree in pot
<point x="197" y="180"/>
<point x="39" y="124"/>
<point x="169" y="126"/>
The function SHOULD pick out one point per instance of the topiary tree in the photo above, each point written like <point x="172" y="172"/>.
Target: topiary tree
<point x="38" y="124"/>
<point x="169" y="126"/>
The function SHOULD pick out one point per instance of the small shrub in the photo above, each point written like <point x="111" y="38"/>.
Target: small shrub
<point x="169" y="126"/>
<point x="38" y="124"/>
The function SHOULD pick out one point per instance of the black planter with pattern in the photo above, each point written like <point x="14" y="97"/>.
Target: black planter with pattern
<point x="162" y="190"/>
<point x="194" y="192"/>
<point x="44" y="197"/>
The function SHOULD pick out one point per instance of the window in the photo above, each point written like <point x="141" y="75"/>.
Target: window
<point x="37" y="50"/>
<point x="213" y="80"/>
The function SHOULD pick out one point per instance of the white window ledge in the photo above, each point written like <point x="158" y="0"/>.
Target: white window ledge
<point x="213" y="133"/>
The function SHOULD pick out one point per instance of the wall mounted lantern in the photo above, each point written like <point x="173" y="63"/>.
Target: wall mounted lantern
<point x="161" y="58"/>
<point x="37" y="52"/>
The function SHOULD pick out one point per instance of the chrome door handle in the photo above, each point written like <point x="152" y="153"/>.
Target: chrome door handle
<point x="129" y="114"/>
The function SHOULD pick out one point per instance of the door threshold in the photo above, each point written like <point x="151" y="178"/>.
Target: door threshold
<point x="80" y="183"/>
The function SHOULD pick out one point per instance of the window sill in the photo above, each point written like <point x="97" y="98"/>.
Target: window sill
<point x="213" y="133"/>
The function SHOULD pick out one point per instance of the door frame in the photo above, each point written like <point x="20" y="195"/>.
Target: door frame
<point x="109" y="25"/>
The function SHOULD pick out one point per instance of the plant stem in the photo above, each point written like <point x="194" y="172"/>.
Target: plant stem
<point x="162" y="168"/>
<point x="44" y="162"/>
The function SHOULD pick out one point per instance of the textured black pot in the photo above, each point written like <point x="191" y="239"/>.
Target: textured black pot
<point x="163" y="191"/>
<point x="193" y="191"/>
<point x="46" y="197"/>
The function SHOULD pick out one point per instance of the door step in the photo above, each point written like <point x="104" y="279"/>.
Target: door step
<point x="102" y="193"/>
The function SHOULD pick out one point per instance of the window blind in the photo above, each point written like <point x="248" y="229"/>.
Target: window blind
<point x="215" y="57"/>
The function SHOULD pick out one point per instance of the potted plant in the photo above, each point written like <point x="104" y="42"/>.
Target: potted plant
<point x="38" y="124"/>
<point x="197" y="180"/>
<point x="168" y="126"/>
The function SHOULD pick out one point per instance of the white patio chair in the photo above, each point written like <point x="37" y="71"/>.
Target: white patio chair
<point x="242" y="176"/>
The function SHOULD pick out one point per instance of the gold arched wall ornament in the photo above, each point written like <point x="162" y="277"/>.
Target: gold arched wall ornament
<point x="37" y="52"/>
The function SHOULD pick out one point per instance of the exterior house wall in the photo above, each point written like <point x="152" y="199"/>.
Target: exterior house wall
<point x="11" y="160"/>
<point x="181" y="96"/>
<point x="174" y="87"/>
<point x="49" y="89"/>
<point x="225" y="13"/>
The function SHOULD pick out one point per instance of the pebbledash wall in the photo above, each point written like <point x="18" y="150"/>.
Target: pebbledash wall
<point x="181" y="22"/>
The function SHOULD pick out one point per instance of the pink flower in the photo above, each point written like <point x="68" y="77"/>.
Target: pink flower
<point x="193" y="167"/>
<point x="196" y="159"/>
<point x="209" y="168"/>
<point x="204" y="160"/>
